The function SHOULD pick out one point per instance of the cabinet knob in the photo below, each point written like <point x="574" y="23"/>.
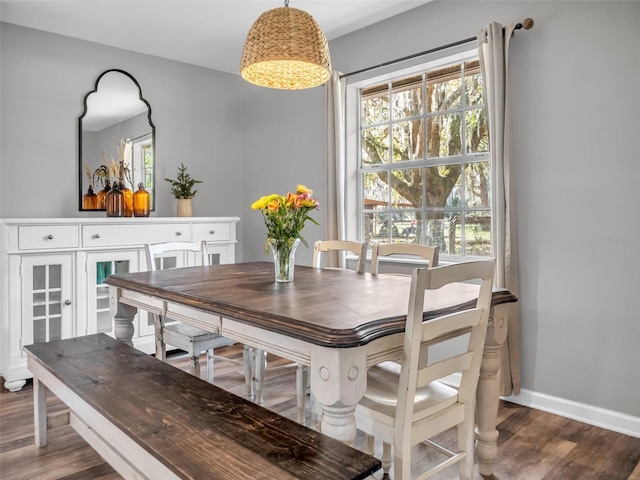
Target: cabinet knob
<point x="67" y="302"/>
<point x="49" y="237"/>
<point x="178" y="234"/>
<point x="96" y="235"/>
<point x="212" y="232"/>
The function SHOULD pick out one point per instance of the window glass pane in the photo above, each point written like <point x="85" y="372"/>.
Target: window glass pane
<point x="55" y="328"/>
<point x="375" y="105"/>
<point x="39" y="298"/>
<point x="477" y="186"/>
<point x="55" y="308"/>
<point x="438" y="231"/>
<point x="368" y="226"/>
<point x="103" y="270"/>
<point x="39" y="280"/>
<point x="376" y="190"/>
<point x="477" y="131"/>
<point x="380" y="228"/>
<point x="214" y="259"/>
<point x="406" y="188"/>
<point x="443" y="186"/>
<point x="39" y="310"/>
<point x="121" y="266"/>
<point x="375" y="145"/>
<point x="405" y="227"/>
<point x="453" y="233"/>
<point x="55" y="276"/>
<point x="39" y="331"/>
<point x="408" y="140"/>
<point x="473" y="84"/>
<point x="477" y="233"/>
<point x="406" y="97"/>
<point x="444" y="135"/>
<point x="443" y="89"/>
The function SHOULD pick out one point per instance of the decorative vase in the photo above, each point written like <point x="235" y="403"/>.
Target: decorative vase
<point x="185" y="207"/>
<point x="90" y="199"/>
<point x="115" y="202"/>
<point x="101" y="203"/>
<point x="141" y="202"/>
<point x="284" y="252"/>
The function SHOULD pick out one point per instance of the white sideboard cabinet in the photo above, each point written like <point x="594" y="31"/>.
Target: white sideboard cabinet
<point x="52" y="273"/>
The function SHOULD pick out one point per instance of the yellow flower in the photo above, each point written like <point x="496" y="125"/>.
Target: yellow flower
<point x="259" y="204"/>
<point x="303" y="189"/>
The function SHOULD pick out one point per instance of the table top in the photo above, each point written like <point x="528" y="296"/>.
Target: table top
<point x="329" y="307"/>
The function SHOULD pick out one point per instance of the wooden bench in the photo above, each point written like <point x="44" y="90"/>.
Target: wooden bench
<point x="151" y="420"/>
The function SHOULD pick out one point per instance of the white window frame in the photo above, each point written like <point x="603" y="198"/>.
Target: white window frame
<point x="354" y="190"/>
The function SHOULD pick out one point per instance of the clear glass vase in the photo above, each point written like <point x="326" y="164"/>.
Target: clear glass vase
<point x="284" y="251"/>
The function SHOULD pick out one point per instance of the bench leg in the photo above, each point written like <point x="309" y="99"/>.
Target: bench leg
<point x="210" y="365"/>
<point x="302" y="380"/>
<point x="258" y="374"/>
<point x="248" y="359"/>
<point x="194" y="365"/>
<point x="40" y="412"/>
<point x="161" y="348"/>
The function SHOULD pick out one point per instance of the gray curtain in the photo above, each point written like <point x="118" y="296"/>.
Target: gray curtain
<point x="493" y="49"/>
<point x="336" y="173"/>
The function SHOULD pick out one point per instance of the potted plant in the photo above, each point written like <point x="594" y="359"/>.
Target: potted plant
<point x="182" y="189"/>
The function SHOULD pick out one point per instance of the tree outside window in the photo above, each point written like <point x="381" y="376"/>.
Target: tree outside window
<point x="424" y="167"/>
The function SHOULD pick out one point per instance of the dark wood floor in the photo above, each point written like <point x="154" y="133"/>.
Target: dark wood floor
<point x="533" y="445"/>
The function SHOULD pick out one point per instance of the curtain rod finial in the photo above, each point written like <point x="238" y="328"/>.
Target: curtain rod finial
<point x="527" y="23"/>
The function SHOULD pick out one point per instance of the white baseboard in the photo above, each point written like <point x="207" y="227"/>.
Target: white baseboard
<point x="596" y="416"/>
<point x="599" y="417"/>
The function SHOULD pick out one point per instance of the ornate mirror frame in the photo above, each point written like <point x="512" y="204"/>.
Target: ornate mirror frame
<point x="90" y="170"/>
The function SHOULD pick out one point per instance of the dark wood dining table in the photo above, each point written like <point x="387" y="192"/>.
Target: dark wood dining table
<point x="335" y="321"/>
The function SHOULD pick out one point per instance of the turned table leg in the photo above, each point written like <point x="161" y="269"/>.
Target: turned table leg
<point x="488" y="394"/>
<point x="338" y="381"/>
<point x="123" y="316"/>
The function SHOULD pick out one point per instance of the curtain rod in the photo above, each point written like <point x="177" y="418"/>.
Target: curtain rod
<point x="527" y="24"/>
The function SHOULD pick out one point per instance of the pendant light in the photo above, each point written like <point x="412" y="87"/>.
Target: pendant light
<point x="286" y="49"/>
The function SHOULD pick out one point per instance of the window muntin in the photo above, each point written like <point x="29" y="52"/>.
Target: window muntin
<point x="424" y="165"/>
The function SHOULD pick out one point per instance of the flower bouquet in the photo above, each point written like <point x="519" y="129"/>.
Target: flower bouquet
<point x="285" y="217"/>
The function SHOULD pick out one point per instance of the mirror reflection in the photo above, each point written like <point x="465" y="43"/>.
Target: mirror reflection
<point x="116" y="140"/>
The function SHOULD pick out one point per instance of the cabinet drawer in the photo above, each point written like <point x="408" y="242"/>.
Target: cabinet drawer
<point x="38" y="237"/>
<point x="211" y="232"/>
<point x="120" y="234"/>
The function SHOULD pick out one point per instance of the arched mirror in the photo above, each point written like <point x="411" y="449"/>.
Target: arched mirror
<point x="116" y="139"/>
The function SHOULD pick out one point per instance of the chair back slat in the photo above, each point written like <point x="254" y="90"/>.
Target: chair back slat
<point x="357" y="248"/>
<point x="158" y="250"/>
<point x="444" y="368"/>
<point x="449" y="324"/>
<point x="430" y="254"/>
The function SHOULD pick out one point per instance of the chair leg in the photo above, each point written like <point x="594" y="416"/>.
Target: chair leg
<point x="370" y="444"/>
<point x="466" y="443"/>
<point x="386" y="460"/>
<point x="210" y="365"/>
<point x="248" y="359"/>
<point x="302" y="380"/>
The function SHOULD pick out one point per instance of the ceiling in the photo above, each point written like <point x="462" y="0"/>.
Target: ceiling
<point x="207" y="33"/>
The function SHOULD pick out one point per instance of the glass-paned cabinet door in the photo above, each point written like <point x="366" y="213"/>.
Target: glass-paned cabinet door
<point x="99" y="266"/>
<point x="47" y="287"/>
<point x="218" y="254"/>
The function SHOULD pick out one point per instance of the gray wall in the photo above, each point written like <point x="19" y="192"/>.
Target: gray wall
<point x="575" y="107"/>
<point x="197" y="113"/>
<point x="574" y="89"/>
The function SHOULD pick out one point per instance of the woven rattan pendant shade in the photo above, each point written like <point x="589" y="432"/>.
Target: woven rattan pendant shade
<point x="286" y="49"/>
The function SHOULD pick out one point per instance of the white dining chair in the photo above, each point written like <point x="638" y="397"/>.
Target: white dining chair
<point x="192" y="340"/>
<point x="409" y="403"/>
<point x="341" y="246"/>
<point x="430" y="254"/>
